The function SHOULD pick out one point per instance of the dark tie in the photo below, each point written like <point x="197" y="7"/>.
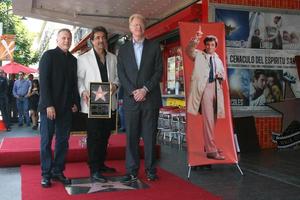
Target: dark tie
<point x="211" y="71"/>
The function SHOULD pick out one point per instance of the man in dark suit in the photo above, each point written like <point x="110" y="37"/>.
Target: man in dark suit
<point x="140" y="71"/>
<point x="58" y="99"/>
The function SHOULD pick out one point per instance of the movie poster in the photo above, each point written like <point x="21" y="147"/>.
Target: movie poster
<point x="239" y="81"/>
<point x="261" y="46"/>
<point x="236" y="26"/>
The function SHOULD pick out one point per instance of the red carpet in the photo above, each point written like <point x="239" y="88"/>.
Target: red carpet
<point x="18" y="151"/>
<point x="168" y="187"/>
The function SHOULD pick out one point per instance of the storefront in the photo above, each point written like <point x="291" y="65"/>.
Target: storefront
<point x="244" y="59"/>
<point x="251" y="28"/>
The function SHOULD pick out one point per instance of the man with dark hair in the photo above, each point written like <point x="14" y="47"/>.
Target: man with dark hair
<point x="140" y="71"/>
<point x="58" y="99"/>
<point x="30" y="77"/>
<point x="20" y="92"/>
<point x="258" y="90"/>
<point x="97" y="65"/>
<point x="206" y="93"/>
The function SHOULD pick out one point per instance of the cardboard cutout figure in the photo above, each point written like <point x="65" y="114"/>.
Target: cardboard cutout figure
<point x="209" y="126"/>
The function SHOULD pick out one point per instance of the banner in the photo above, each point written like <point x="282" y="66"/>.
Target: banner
<point x="7" y="47"/>
<point x="223" y="134"/>
<point x="260" y="30"/>
<point x="261" y="50"/>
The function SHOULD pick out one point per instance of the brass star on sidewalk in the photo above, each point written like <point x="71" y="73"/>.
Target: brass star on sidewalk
<point x="97" y="186"/>
<point x="99" y="94"/>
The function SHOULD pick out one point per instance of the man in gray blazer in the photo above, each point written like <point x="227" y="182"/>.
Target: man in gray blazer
<point x="140" y="71"/>
<point x="97" y="65"/>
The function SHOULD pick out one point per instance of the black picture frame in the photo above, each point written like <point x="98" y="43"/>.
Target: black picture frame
<point x="100" y="100"/>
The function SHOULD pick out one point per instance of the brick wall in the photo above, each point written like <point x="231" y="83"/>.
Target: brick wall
<point x="282" y="4"/>
<point x="264" y="128"/>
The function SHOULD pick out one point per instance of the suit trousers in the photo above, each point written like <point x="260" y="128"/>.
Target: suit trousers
<point x="61" y="127"/>
<point x="141" y="123"/>
<point x="208" y="108"/>
<point x="98" y="133"/>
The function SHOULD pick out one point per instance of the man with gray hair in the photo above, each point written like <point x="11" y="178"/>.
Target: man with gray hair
<point x="58" y="99"/>
<point x="140" y="71"/>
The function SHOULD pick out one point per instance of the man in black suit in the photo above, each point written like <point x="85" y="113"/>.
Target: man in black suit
<point x="140" y="71"/>
<point x="58" y="99"/>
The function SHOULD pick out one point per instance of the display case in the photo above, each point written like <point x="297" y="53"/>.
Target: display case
<point x="174" y="71"/>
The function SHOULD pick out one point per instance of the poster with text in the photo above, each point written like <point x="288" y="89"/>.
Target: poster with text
<point x="261" y="46"/>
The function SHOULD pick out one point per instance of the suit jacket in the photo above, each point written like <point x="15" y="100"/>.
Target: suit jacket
<point x="88" y="71"/>
<point x="58" y="81"/>
<point x="199" y="80"/>
<point x="149" y="75"/>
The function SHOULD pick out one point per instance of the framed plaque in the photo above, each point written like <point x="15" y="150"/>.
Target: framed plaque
<point x="100" y="100"/>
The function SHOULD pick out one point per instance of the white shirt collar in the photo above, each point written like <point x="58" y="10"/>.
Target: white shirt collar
<point x="139" y="42"/>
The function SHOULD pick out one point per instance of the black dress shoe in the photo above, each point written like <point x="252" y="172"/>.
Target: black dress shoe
<point x="35" y="127"/>
<point x="46" y="182"/>
<point x="151" y="176"/>
<point x="97" y="177"/>
<point x="129" y="178"/>
<point x="106" y="169"/>
<point x="61" y="178"/>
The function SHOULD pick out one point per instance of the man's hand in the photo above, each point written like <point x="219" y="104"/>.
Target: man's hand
<point x="86" y="96"/>
<point x="74" y="108"/>
<point x="219" y="76"/>
<point x="199" y="33"/>
<point x="51" y="113"/>
<point x="139" y="94"/>
<point x="114" y="88"/>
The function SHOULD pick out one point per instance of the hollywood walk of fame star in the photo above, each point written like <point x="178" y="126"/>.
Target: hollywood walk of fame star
<point x="97" y="186"/>
<point x="289" y="108"/>
<point x="99" y="94"/>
